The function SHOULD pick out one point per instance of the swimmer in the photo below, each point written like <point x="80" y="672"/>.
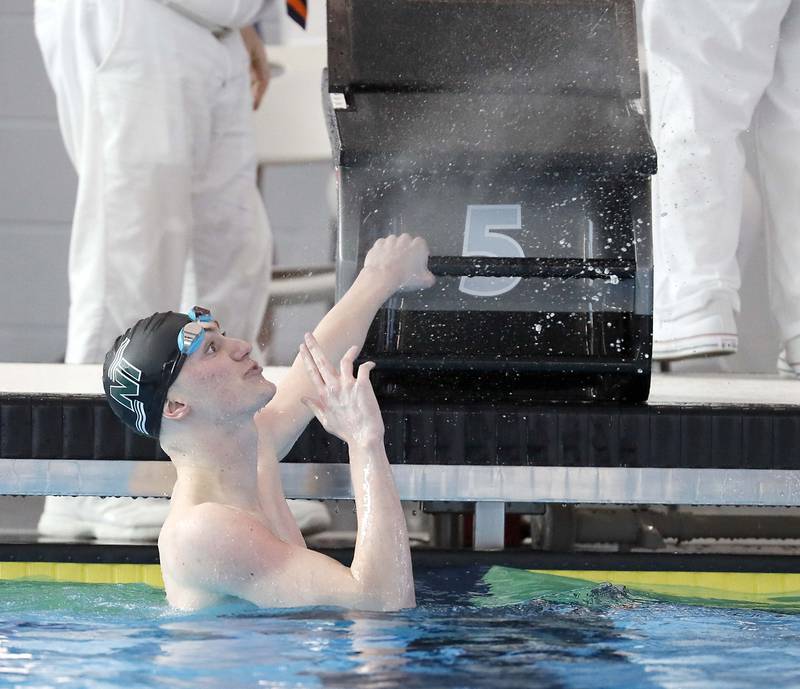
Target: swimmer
<point x="229" y="533"/>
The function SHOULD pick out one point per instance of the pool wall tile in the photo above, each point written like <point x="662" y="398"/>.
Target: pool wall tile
<point x="83" y="427"/>
<point x="47" y="432"/>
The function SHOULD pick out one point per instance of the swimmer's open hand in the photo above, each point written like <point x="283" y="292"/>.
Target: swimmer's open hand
<point x="345" y="405"/>
<point x="401" y="259"/>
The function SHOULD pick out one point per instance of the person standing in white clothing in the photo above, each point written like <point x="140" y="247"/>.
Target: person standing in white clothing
<point x="155" y="112"/>
<point x="715" y="70"/>
<point x="154" y="103"/>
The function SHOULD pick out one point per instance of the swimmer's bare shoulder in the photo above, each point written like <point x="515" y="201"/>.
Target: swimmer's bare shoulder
<point x="211" y="552"/>
<point x="182" y="587"/>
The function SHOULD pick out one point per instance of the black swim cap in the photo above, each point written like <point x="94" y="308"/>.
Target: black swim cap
<point x="139" y="369"/>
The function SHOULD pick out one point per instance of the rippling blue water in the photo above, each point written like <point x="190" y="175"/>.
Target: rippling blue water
<point x="57" y="635"/>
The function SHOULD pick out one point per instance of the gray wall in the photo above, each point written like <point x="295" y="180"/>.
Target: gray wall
<point x="301" y="215"/>
<point x="37" y="190"/>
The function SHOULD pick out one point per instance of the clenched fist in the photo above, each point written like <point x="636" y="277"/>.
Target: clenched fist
<point x="402" y="260"/>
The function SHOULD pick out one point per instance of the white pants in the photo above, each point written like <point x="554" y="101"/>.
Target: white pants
<point x="156" y="116"/>
<point x="716" y="68"/>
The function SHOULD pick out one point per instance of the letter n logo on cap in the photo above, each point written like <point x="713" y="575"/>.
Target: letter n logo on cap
<point x="126" y="376"/>
<point x="125" y="387"/>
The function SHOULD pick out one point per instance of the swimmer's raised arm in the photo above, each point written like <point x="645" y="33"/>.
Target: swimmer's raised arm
<point x="230" y="552"/>
<point x="394" y="263"/>
<point x="346" y="407"/>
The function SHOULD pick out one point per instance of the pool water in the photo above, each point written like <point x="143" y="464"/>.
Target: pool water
<point x="465" y="633"/>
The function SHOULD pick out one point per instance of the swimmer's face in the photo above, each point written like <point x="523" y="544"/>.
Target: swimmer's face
<point x="220" y="379"/>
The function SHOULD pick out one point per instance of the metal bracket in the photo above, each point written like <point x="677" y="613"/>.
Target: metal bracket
<point x="490" y="526"/>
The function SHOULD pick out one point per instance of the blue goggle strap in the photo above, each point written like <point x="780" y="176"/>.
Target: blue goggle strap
<point x="198" y="313"/>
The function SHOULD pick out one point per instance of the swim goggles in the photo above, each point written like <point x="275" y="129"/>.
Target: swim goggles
<point x="191" y="335"/>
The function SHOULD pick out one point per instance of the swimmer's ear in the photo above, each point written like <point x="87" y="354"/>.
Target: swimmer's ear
<point x="175" y="410"/>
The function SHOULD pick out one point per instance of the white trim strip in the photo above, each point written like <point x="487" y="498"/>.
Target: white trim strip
<point x="594" y="485"/>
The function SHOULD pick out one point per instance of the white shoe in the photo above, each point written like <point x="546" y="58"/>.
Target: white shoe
<point x="311" y="516"/>
<point x="128" y="519"/>
<point x="789" y="360"/>
<point x="140" y="519"/>
<point x="707" y="332"/>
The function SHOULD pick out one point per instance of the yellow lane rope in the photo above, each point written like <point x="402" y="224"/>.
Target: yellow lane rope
<point x="718" y="585"/>
<point x="91" y="573"/>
